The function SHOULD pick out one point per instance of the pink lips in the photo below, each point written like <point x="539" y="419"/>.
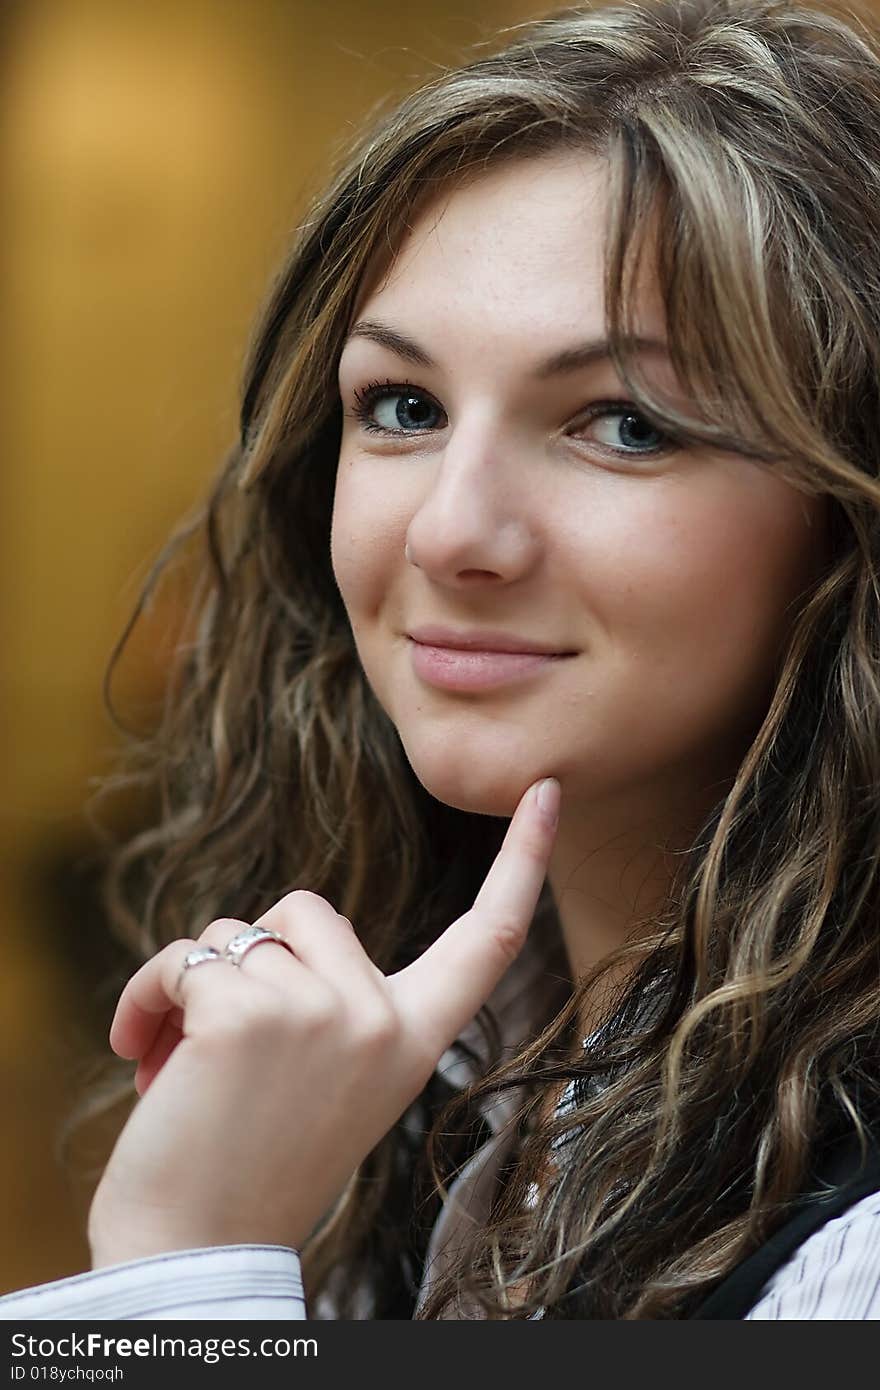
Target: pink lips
<point x="452" y="668"/>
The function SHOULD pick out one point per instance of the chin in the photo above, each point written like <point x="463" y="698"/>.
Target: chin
<point x="474" y="790"/>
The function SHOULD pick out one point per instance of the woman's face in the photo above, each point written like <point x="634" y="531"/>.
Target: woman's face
<point x="489" y="488"/>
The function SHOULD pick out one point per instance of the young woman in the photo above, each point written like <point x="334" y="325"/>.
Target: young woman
<point x="557" y="469"/>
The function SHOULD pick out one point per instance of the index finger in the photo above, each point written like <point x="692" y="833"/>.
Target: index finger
<point x="441" y="991"/>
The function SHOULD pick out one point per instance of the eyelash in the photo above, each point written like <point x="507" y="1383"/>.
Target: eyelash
<point x="367" y="396"/>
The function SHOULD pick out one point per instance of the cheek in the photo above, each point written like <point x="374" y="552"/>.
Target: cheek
<point x="731" y="543"/>
<point x="709" y="599"/>
<point x="363" y="543"/>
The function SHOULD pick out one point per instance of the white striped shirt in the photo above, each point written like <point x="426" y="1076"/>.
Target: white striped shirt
<point x="833" y="1276"/>
<point x="257" y="1282"/>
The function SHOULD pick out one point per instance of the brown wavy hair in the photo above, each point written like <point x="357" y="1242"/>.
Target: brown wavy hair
<point x="749" y="132"/>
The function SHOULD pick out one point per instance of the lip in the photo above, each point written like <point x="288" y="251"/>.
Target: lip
<point x="480" y="640"/>
<point x="468" y="669"/>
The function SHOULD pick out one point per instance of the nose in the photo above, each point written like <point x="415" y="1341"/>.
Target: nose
<point x="475" y="519"/>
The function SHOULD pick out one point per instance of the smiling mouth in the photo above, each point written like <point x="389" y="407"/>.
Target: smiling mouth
<point x="480" y="640"/>
<point x="452" y="668"/>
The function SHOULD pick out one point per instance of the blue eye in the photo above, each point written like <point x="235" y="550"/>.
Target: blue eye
<point x="407" y="410"/>
<point x="628" y="427"/>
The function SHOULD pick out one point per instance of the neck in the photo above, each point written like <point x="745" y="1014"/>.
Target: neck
<point x="612" y="873"/>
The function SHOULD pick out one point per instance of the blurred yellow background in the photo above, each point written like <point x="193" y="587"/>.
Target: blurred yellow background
<point x="154" y="158"/>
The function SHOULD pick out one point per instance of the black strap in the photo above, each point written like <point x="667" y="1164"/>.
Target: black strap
<point x="849" y="1180"/>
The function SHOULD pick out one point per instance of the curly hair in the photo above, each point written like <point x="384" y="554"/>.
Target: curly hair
<point x="751" y="130"/>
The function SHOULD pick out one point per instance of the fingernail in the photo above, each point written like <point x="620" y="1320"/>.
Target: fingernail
<point x="548" y="800"/>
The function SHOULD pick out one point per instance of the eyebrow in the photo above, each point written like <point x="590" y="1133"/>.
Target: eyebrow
<point x="569" y="359"/>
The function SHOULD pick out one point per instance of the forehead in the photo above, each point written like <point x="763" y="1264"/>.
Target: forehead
<point x="522" y="243"/>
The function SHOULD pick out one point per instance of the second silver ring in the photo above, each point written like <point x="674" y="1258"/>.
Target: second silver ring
<point x="243" y="941"/>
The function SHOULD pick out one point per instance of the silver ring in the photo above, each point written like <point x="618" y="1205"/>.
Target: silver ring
<point x="241" y="943"/>
<point x="196" y="956"/>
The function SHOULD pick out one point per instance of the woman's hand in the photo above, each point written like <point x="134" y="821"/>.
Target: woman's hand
<point x="265" y="1085"/>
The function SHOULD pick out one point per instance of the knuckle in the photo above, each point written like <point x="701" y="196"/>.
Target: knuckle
<point x="535" y="845"/>
<point x="509" y="936"/>
<point x="221" y="930"/>
<point x="178" y="949"/>
<point x="298" y="897"/>
<point x="316" y="1013"/>
<point x="379" y="1029"/>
